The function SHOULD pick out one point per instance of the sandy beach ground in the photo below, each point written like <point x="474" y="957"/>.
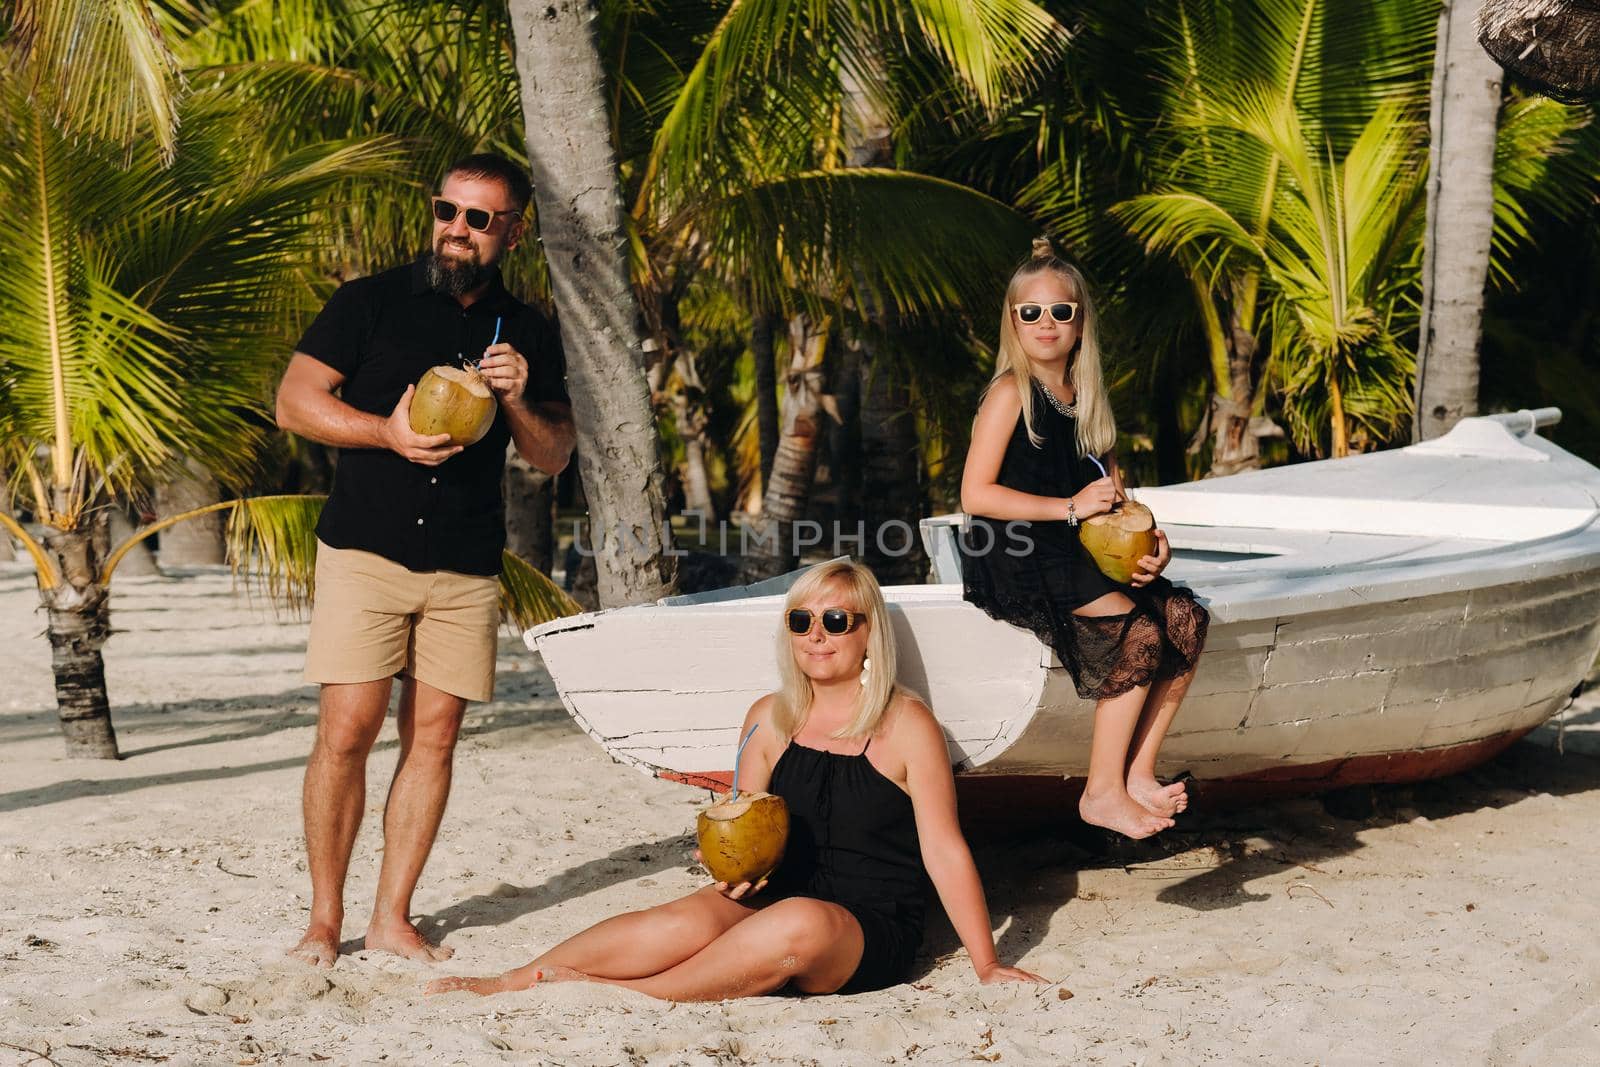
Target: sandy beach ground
<point x="147" y="903"/>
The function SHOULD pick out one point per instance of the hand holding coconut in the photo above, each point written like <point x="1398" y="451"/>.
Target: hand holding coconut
<point x="400" y="435"/>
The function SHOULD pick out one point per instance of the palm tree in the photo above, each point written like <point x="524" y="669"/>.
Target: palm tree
<point x="1455" y="260"/>
<point x="582" y="229"/>
<point x="143" y="319"/>
<point x="1333" y="262"/>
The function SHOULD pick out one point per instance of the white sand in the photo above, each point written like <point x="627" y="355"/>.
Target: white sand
<point x="147" y="902"/>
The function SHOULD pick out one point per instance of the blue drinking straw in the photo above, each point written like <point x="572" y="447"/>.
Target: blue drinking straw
<point x="492" y="343"/>
<point x="737" y="756"/>
<point x="1097" y="463"/>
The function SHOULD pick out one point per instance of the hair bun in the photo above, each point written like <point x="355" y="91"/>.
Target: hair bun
<point x="1043" y="249"/>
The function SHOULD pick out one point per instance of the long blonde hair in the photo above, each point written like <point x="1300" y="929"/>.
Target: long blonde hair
<point x="1097" y="424"/>
<point x="795" y="694"/>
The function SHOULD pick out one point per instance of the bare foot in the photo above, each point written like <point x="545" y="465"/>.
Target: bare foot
<point x="1120" y="812"/>
<point x="319" y="947"/>
<point x="521" y="978"/>
<point x="551" y="973"/>
<point x="482" y="986"/>
<point x="403" y="940"/>
<point x="1164" y="800"/>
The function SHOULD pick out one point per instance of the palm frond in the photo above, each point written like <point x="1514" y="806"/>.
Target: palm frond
<point x="528" y="597"/>
<point x="272" y="546"/>
<point x="99" y="67"/>
<point x="826" y="231"/>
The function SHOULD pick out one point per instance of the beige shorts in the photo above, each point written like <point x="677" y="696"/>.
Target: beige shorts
<point x="373" y="619"/>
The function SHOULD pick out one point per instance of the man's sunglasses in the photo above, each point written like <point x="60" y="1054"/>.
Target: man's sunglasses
<point x="835" y="621"/>
<point x="1065" y="311"/>
<point x="478" y="218"/>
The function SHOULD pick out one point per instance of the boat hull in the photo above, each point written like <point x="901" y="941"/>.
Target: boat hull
<point x="1363" y="639"/>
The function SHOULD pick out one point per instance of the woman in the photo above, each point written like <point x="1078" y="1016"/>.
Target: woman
<point x="1041" y="454"/>
<point x="863" y="768"/>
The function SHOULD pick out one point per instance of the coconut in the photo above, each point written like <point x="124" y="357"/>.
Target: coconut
<point x="455" y="401"/>
<point x="1117" y="539"/>
<point x="742" y="837"/>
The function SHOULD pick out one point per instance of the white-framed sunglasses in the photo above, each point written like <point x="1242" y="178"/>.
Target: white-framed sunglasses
<point x="1063" y="311"/>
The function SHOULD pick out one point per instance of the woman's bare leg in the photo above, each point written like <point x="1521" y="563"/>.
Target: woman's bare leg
<point x="812" y="943"/>
<point x="1160" y="708"/>
<point x="635" y="945"/>
<point x="1106" y="801"/>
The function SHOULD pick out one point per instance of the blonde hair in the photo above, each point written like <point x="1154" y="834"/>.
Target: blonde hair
<point x="794" y="696"/>
<point x="1097" y="424"/>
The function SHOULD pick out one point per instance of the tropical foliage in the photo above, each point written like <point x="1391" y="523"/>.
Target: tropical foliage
<point x="823" y="200"/>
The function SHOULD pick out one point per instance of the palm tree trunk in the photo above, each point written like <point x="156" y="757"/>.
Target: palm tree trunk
<point x="890" y="456"/>
<point x="78" y="625"/>
<point x="1455" y="260"/>
<point x="1341" y="430"/>
<point x="891" y="475"/>
<point x="200" y="541"/>
<point x="7" y="553"/>
<point x="772" y="550"/>
<point x="762" y="326"/>
<point x="581" y="226"/>
<point x="530" y="512"/>
<point x="689" y="410"/>
<point x="123" y="523"/>
<point x="1234" y="447"/>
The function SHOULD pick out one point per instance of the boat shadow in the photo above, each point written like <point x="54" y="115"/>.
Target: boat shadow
<point x="1031" y="871"/>
<point x="1239" y="845"/>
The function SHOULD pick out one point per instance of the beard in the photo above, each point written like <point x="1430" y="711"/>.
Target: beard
<point x="455" y="275"/>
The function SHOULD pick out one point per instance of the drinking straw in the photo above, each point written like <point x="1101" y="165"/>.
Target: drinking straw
<point x="734" y="794"/>
<point x="496" y="332"/>
<point x="1100" y="465"/>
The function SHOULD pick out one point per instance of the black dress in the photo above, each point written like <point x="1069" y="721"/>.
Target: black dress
<point x="853" y="842"/>
<point x="1034" y="574"/>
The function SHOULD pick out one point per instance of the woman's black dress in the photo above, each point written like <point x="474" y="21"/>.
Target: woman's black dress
<point x="1034" y="574"/>
<point x="853" y="842"/>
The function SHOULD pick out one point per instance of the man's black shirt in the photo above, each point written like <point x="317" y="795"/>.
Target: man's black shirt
<point x="383" y="333"/>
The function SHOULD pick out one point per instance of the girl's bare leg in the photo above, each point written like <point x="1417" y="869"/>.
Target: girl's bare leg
<point x="1160" y="708"/>
<point x="1106" y="801"/>
<point x="811" y="943"/>
<point x="635" y="945"/>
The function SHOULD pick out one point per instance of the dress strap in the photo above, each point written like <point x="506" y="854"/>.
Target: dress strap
<point x="864" y="747"/>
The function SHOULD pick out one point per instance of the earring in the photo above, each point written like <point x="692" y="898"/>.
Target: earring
<point x="866" y="666"/>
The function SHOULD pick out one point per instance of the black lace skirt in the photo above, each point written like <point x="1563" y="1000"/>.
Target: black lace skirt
<point x="1035" y="575"/>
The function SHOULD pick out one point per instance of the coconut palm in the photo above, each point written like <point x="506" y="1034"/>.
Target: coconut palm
<point x="1455" y="261"/>
<point x="144" y="316"/>
<point x="1340" y="230"/>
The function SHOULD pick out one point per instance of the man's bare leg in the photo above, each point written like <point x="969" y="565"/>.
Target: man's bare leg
<point x="1160" y="708"/>
<point x="635" y="945"/>
<point x="429" y="722"/>
<point x="348" y="720"/>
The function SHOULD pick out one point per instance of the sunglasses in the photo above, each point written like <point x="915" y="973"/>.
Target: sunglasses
<point x="835" y="621"/>
<point x="478" y="218"/>
<point x="1065" y="311"/>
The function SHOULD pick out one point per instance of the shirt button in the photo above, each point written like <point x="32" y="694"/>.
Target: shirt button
<point x="419" y="522"/>
<point x="433" y="481"/>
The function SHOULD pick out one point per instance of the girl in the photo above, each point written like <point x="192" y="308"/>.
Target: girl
<point x="1043" y="422"/>
<point x="863" y="767"/>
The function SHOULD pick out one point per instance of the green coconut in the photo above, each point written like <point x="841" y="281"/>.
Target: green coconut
<point x="453" y="400"/>
<point x="1117" y="539"/>
<point x="742" y="839"/>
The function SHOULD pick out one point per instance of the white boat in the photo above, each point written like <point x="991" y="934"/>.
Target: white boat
<point x="1385" y="617"/>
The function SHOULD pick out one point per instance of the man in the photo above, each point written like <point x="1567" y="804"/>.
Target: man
<point x="409" y="544"/>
